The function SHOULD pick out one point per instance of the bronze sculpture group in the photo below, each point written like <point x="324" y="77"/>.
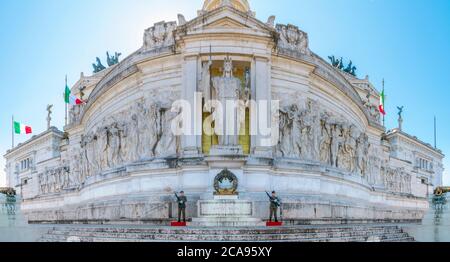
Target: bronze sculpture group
<point x="111" y="60"/>
<point x="339" y="64"/>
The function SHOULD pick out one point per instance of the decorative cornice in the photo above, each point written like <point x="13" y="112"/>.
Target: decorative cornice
<point x="34" y="140"/>
<point x="201" y="19"/>
<point x="121" y="71"/>
<point x="396" y="132"/>
<point x="328" y="73"/>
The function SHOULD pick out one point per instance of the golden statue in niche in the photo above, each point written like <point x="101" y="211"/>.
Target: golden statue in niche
<point x="240" y="70"/>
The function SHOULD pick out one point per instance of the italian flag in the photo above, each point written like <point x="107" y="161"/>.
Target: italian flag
<point x="21" y="129"/>
<point x="71" y="99"/>
<point x="381" y="108"/>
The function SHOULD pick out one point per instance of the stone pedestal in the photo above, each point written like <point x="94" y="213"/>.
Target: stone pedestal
<point x="226" y="211"/>
<point x="226" y="151"/>
<point x="13" y="225"/>
<point x="263" y="152"/>
<point x="231" y="157"/>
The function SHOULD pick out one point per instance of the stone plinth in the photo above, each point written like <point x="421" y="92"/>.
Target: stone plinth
<point x="226" y="211"/>
<point x="226" y="157"/>
<point x="13" y="225"/>
<point x="226" y="151"/>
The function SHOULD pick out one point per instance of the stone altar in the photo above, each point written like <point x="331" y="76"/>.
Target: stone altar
<point x="226" y="209"/>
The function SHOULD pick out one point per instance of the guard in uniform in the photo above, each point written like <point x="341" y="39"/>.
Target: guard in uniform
<point x="275" y="203"/>
<point x="182" y="200"/>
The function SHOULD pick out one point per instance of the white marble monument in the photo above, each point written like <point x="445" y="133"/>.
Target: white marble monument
<point x="119" y="161"/>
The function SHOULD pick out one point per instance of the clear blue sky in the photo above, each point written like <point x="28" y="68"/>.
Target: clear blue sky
<point x="407" y="42"/>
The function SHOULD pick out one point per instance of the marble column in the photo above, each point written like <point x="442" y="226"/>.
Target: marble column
<point x="190" y="144"/>
<point x="261" y="86"/>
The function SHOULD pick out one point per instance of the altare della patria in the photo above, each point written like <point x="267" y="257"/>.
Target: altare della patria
<point x="226" y="108"/>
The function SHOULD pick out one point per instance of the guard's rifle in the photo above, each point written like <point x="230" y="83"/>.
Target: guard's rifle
<point x="179" y="201"/>
<point x="274" y="200"/>
<point x="176" y="195"/>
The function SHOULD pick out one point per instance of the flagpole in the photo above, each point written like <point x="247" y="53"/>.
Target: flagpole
<point x="65" y="115"/>
<point x="435" y="133"/>
<point x="12" y="132"/>
<point x="384" y="115"/>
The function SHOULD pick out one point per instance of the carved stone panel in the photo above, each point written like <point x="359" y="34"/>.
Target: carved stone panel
<point x="315" y="134"/>
<point x="160" y="35"/>
<point x="292" y="38"/>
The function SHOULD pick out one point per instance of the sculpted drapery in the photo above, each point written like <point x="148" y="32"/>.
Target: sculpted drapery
<point x="315" y="134"/>
<point x="140" y="133"/>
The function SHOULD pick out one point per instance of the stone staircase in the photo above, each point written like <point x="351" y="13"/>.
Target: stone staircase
<point x="363" y="233"/>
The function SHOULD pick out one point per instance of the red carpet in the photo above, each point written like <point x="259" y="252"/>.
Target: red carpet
<point x="178" y="224"/>
<point x="274" y="224"/>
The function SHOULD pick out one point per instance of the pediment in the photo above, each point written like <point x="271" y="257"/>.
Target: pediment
<point x="226" y="22"/>
<point x="226" y="18"/>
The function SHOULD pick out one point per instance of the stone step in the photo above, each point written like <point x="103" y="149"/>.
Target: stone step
<point x="221" y="233"/>
<point x="379" y="238"/>
<point x="252" y="231"/>
<point x="401" y="238"/>
<point x="359" y="236"/>
<point x="224" y="238"/>
<point x="283" y="234"/>
<point x="224" y="235"/>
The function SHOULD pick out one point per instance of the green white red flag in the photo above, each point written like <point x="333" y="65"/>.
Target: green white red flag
<point x="22" y="129"/>
<point x="382" y="100"/>
<point x="71" y="99"/>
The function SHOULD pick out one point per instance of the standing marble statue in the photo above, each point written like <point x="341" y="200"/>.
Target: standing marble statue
<point x="336" y="141"/>
<point x="295" y="142"/>
<point x="344" y="151"/>
<point x="130" y="139"/>
<point x="307" y="135"/>
<point x="143" y="127"/>
<point x="98" y="148"/>
<point x="227" y="88"/>
<point x="80" y="161"/>
<point x="68" y="181"/>
<point x="83" y="159"/>
<point x="205" y="82"/>
<point x="113" y="156"/>
<point x="49" y="116"/>
<point x="400" y="117"/>
<point x="92" y="155"/>
<point x="168" y="142"/>
<point x="325" y="141"/>
<point x="148" y="113"/>
<point x="285" y="147"/>
<point x="75" y="166"/>
<point x="155" y="127"/>
<point x="352" y="144"/>
<point x="362" y="152"/>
